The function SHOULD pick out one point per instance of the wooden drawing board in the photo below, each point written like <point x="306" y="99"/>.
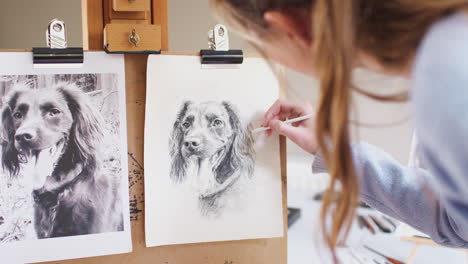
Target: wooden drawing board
<point x="271" y="251"/>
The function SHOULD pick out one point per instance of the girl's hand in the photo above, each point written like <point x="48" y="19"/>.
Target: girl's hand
<point x="302" y="133"/>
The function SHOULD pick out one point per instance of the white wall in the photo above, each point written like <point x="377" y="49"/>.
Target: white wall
<point x="189" y="22"/>
<point x="23" y="23"/>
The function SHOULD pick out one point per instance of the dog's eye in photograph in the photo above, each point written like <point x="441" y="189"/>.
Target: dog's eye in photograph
<point x="210" y="149"/>
<point x="57" y="178"/>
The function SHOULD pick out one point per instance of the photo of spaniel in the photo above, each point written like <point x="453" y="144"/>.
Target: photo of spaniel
<point x="211" y="150"/>
<point x="57" y="132"/>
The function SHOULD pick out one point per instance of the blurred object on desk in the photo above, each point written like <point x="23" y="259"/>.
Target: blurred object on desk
<point x="293" y="215"/>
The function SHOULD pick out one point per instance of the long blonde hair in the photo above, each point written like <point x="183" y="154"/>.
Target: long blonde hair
<point x="388" y="30"/>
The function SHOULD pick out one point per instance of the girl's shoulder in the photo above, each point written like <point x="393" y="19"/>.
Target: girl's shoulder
<point x="440" y="70"/>
<point x="445" y="46"/>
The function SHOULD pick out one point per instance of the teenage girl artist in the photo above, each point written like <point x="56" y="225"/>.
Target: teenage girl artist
<point x="425" y="41"/>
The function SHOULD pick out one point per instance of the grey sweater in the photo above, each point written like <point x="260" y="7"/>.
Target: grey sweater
<point x="433" y="200"/>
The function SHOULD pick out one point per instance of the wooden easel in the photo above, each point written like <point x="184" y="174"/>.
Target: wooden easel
<point x="236" y="252"/>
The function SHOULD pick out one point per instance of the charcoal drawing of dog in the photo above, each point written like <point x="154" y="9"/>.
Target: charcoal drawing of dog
<point x="211" y="150"/>
<point x="57" y="132"/>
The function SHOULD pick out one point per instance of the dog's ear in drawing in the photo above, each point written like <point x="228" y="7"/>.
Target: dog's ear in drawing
<point x="178" y="165"/>
<point x="86" y="134"/>
<point x="10" y="155"/>
<point x="241" y="154"/>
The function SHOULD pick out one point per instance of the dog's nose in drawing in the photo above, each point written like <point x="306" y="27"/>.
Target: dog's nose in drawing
<point x="192" y="144"/>
<point x="26" y="136"/>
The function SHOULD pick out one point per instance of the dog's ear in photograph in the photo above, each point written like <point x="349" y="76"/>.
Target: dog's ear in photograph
<point x="175" y="142"/>
<point x="87" y="131"/>
<point x="10" y="155"/>
<point x="241" y="155"/>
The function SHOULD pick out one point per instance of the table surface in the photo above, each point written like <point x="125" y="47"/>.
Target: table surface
<point x="305" y="247"/>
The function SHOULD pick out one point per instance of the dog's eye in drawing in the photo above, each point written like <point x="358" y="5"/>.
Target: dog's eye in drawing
<point x="186" y="125"/>
<point x="18" y="115"/>
<point x="54" y="111"/>
<point x="217" y="123"/>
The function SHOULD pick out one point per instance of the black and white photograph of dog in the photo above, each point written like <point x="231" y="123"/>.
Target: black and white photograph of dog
<point x="61" y="170"/>
<point x="212" y="151"/>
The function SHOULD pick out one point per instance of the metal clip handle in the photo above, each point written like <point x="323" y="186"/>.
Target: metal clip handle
<point x="56" y="34"/>
<point x="218" y="38"/>
<point x="134" y="38"/>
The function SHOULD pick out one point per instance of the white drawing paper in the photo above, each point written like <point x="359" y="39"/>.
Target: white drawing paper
<point x="64" y="174"/>
<point x="207" y="177"/>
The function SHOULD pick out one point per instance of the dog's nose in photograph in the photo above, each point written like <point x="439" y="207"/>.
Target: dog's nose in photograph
<point x="26" y="136"/>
